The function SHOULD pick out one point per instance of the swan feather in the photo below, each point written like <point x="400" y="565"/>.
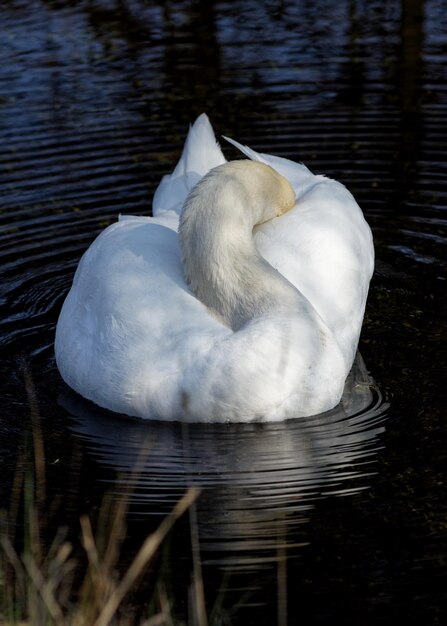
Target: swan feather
<point x="133" y="337"/>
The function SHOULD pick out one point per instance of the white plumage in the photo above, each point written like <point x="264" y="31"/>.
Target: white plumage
<point x="133" y="337"/>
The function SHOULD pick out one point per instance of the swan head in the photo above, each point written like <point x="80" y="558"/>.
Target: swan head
<point x="245" y="191"/>
<point x="258" y="187"/>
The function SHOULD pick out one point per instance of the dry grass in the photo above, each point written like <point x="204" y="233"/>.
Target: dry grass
<point x="39" y="584"/>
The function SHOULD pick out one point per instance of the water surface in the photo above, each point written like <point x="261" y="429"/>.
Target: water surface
<point x="337" y="518"/>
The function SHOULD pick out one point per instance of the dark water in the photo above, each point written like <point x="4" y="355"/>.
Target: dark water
<point x="339" y="518"/>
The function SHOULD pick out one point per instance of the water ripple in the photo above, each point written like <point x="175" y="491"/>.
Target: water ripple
<point x="259" y="476"/>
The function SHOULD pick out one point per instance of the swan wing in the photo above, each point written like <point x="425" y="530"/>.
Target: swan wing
<point x="323" y="246"/>
<point x="130" y="329"/>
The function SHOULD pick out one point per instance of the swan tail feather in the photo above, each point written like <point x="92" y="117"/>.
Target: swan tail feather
<point x="201" y="152"/>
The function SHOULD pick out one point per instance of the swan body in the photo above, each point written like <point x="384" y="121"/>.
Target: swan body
<point x="241" y="299"/>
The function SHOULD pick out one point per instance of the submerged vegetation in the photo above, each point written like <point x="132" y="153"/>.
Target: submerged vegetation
<point x="58" y="583"/>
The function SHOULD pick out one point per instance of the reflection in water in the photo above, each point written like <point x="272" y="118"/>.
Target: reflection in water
<point x="193" y="48"/>
<point x="409" y="72"/>
<point x="258" y="479"/>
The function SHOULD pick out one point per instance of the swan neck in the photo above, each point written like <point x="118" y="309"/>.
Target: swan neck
<point x="221" y="263"/>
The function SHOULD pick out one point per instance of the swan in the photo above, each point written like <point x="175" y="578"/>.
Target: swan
<point x="241" y="299"/>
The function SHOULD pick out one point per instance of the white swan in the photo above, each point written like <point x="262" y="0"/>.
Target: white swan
<point x="267" y="322"/>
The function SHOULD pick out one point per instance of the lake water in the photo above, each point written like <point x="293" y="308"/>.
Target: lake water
<point x="339" y="518"/>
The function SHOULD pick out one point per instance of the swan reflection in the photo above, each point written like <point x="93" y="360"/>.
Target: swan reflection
<point x="259" y="480"/>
